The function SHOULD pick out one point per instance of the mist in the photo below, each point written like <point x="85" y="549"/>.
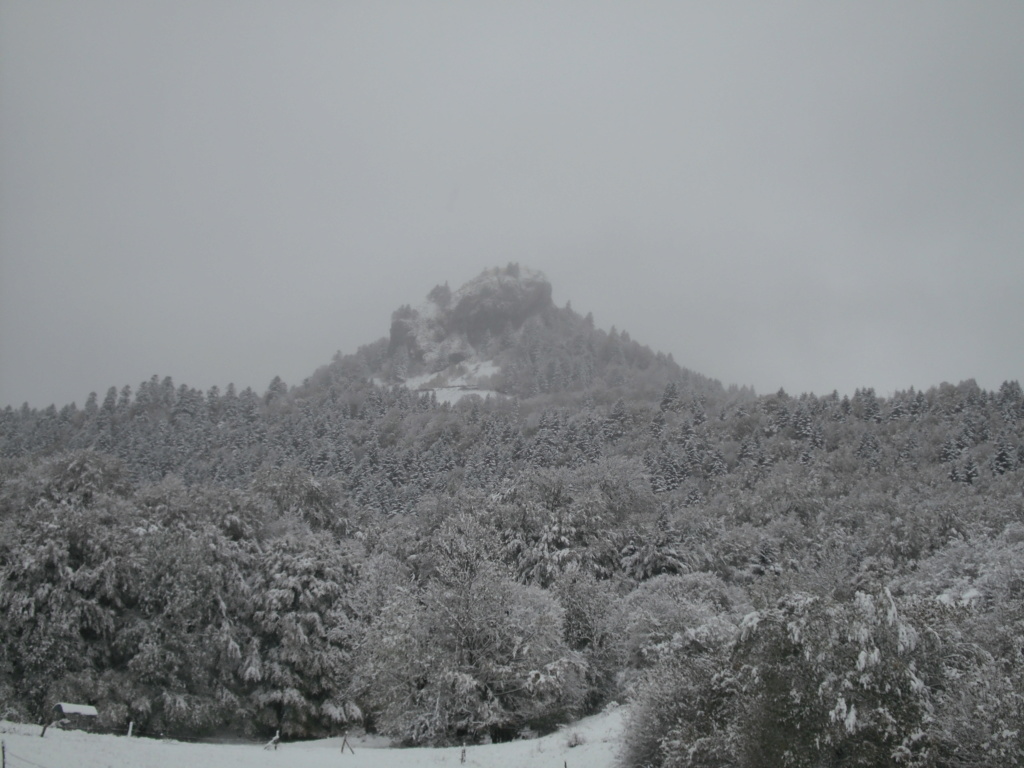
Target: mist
<point x="808" y="196"/>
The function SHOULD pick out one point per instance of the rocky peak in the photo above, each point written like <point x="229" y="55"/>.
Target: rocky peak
<point x="452" y="326"/>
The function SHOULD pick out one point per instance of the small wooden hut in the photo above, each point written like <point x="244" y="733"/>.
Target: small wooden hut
<point x="77" y="716"/>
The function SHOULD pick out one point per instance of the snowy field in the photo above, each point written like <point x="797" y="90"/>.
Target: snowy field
<point x="600" y="740"/>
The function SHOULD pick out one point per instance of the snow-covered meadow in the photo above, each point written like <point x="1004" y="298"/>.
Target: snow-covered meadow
<point x="598" y="741"/>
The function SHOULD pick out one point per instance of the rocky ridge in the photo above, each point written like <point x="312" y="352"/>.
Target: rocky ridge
<point x="450" y="340"/>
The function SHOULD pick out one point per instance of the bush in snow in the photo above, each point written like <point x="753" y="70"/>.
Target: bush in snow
<point x="468" y="655"/>
<point x="810" y="682"/>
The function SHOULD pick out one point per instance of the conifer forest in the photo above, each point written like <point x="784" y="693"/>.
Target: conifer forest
<point x="499" y="518"/>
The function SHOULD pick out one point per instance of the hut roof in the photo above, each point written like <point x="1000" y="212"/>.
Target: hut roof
<point x="76" y="709"/>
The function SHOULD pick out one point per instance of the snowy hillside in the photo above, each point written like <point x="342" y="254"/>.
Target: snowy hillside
<point x="598" y="740"/>
<point x="772" y="580"/>
<point x="459" y="381"/>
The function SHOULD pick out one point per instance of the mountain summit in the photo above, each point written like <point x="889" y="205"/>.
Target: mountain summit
<point x="501" y="333"/>
<point x="453" y="327"/>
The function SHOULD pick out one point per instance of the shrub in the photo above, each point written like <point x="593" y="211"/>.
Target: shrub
<point x="806" y="683"/>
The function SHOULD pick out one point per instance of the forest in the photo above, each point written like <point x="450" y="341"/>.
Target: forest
<point x="767" y="580"/>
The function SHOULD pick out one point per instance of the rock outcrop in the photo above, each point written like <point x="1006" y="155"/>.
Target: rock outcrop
<point x="453" y="326"/>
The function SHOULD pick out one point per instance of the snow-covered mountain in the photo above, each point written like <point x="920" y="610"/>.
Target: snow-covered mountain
<point x="501" y="334"/>
<point x="351" y="552"/>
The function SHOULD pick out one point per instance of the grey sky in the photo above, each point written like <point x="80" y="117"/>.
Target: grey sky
<point x="813" y="196"/>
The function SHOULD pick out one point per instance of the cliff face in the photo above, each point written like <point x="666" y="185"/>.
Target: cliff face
<point x="452" y="326"/>
<point x="497" y="301"/>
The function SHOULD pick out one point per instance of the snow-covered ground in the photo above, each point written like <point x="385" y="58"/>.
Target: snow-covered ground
<point x="599" y="737"/>
<point x="464" y="374"/>
<point x="457" y="382"/>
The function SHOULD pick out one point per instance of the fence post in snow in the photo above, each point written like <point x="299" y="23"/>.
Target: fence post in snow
<point x="131" y="725"/>
<point x="344" y="743"/>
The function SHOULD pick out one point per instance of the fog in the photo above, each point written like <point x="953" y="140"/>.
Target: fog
<point x="803" y="195"/>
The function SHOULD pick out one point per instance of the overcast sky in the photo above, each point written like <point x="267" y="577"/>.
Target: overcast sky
<point x="813" y="196"/>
